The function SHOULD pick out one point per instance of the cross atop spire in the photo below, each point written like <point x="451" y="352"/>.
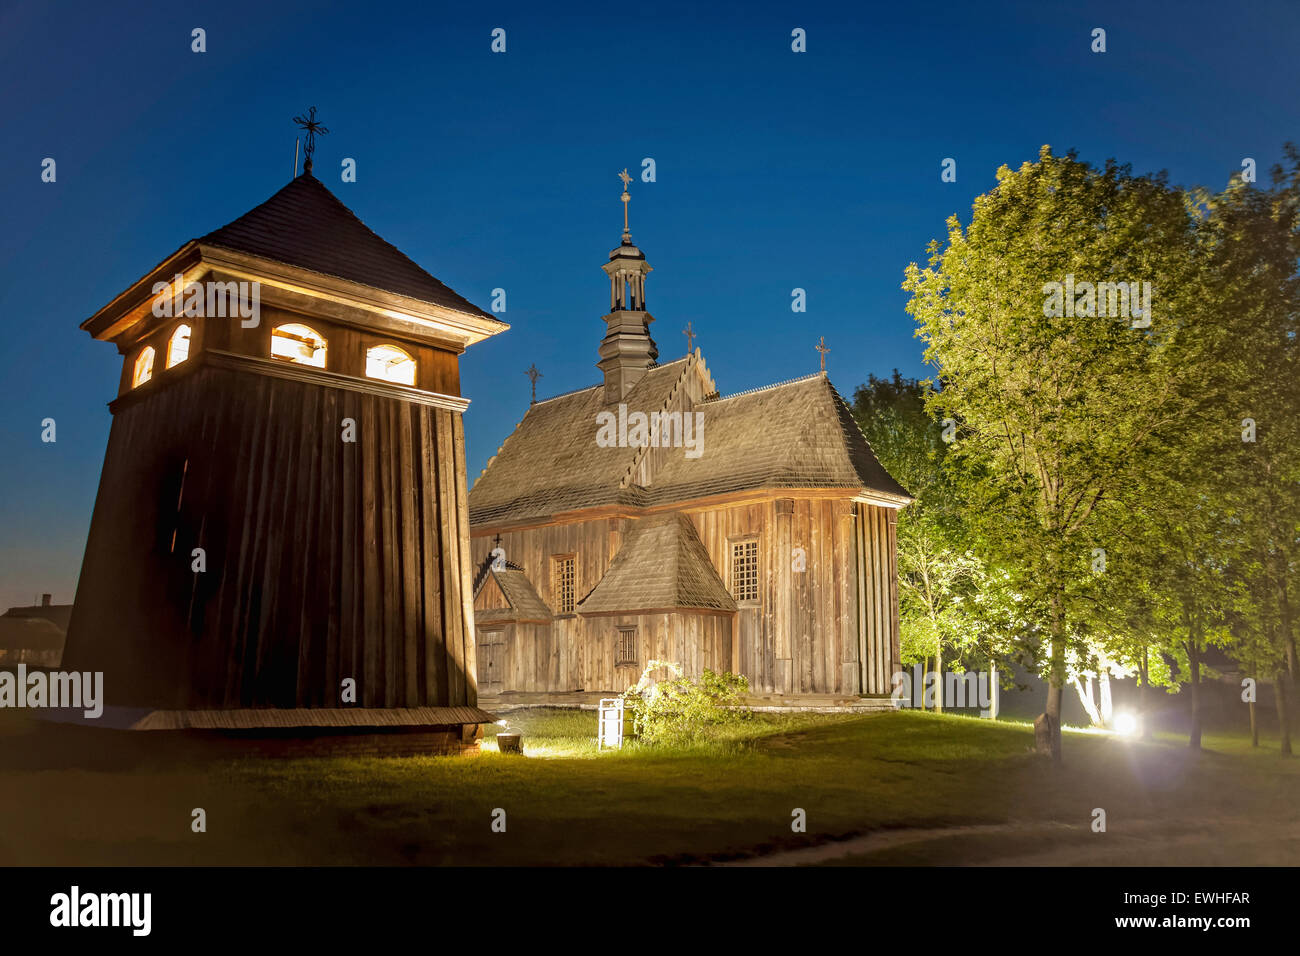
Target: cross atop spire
<point x="627" y="236"/>
<point x="533" y="376"/>
<point x="690" y="337"/>
<point x="312" y="127"/>
<point x="823" y="349"/>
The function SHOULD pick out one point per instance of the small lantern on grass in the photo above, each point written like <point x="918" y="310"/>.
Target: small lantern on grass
<point x="509" y="743"/>
<point x="610" y="729"/>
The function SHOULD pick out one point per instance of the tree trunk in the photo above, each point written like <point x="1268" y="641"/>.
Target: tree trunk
<point x="1085" y="698"/>
<point x="1194" y="662"/>
<point x="1049" y="741"/>
<point x="1144" y="698"/>
<point x="1284" y="606"/>
<point x="938" y="679"/>
<point x="1279" y="694"/>
<point x="1051" y="738"/>
<point x="995" y="691"/>
<point x="1107" y="705"/>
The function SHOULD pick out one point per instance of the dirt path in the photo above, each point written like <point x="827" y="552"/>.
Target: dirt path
<point x="1047" y="843"/>
<point x="886" y="839"/>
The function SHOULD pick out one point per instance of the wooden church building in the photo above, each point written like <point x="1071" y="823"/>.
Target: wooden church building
<point x="280" y="537"/>
<point x="647" y="518"/>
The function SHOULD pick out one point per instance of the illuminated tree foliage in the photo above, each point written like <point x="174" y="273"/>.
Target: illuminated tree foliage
<point x="1057" y="414"/>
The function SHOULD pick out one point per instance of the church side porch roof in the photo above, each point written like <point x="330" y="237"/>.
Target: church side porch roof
<point x="662" y="565"/>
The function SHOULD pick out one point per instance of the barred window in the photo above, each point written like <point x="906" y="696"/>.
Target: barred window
<point x="563" y="585"/>
<point x="625" y="654"/>
<point x="744" y="570"/>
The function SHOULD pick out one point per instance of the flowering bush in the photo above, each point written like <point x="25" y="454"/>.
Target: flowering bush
<point x="681" y="710"/>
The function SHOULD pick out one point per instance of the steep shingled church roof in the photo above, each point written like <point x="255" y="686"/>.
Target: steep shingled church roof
<point x="798" y="434"/>
<point x="306" y="225"/>
<point x="551" y="463"/>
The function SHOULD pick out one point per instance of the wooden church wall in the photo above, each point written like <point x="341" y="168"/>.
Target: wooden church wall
<point x="694" y="641"/>
<point x="802" y="637"/>
<point x="831" y="628"/>
<point x="522" y="657"/>
<point x="593" y="543"/>
<point x="325" y="559"/>
<point x="875" y="545"/>
<point x="559" y="658"/>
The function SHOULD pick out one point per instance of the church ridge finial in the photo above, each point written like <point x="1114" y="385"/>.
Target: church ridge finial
<point x="310" y="124"/>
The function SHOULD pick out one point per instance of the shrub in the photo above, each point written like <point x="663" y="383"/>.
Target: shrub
<point x="681" y="710"/>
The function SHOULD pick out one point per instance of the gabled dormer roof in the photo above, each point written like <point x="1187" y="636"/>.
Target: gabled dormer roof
<point x="509" y="585"/>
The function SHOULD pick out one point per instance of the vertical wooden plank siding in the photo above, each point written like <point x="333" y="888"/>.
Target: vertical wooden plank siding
<point x="325" y="558"/>
<point x="831" y="629"/>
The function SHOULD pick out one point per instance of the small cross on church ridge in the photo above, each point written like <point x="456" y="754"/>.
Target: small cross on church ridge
<point x="533" y="376"/>
<point x="690" y="337"/>
<point x="823" y="349"/>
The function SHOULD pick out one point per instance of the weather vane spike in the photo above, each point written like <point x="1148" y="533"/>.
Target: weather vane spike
<point x="533" y="376"/>
<point x="690" y="337"/>
<point x="823" y="349"/>
<point x="312" y="127"/>
<point x="625" y="197"/>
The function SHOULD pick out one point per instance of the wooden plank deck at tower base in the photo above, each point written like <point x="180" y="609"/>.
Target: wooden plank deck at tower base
<point x="267" y="731"/>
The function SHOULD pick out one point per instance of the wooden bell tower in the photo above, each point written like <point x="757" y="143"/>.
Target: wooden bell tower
<point x="282" y="509"/>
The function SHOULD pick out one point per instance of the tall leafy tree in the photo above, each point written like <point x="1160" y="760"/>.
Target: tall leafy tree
<point x="1058" y="410"/>
<point x="1252" y="247"/>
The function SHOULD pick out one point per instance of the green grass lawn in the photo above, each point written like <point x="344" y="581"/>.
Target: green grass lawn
<point x="889" y="774"/>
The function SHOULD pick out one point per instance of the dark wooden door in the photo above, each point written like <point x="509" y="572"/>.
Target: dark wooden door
<point x="491" y="662"/>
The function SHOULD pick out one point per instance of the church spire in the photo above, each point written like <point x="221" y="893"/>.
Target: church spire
<point x="627" y="349"/>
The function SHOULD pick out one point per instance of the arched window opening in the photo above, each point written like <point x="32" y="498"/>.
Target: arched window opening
<point x="143" y="367"/>
<point x="298" y="344"/>
<point x="178" y="348"/>
<point x="391" y="364"/>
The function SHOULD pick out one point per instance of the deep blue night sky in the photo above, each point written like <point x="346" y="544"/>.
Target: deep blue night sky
<point x="775" y="170"/>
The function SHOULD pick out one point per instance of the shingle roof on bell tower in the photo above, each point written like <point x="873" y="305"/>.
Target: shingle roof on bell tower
<point x="306" y="225"/>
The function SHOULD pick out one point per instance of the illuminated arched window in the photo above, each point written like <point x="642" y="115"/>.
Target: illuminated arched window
<point x="143" y="367"/>
<point x="178" y="348"/>
<point x="298" y="344"/>
<point x="391" y="364"/>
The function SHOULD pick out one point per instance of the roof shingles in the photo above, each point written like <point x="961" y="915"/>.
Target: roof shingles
<point x="798" y="434"/>
<point x="305" y="225"/>
<point x="662" y="565"/>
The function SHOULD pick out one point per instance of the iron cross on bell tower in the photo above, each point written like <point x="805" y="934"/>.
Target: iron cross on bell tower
<point x="312" y="127"/>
